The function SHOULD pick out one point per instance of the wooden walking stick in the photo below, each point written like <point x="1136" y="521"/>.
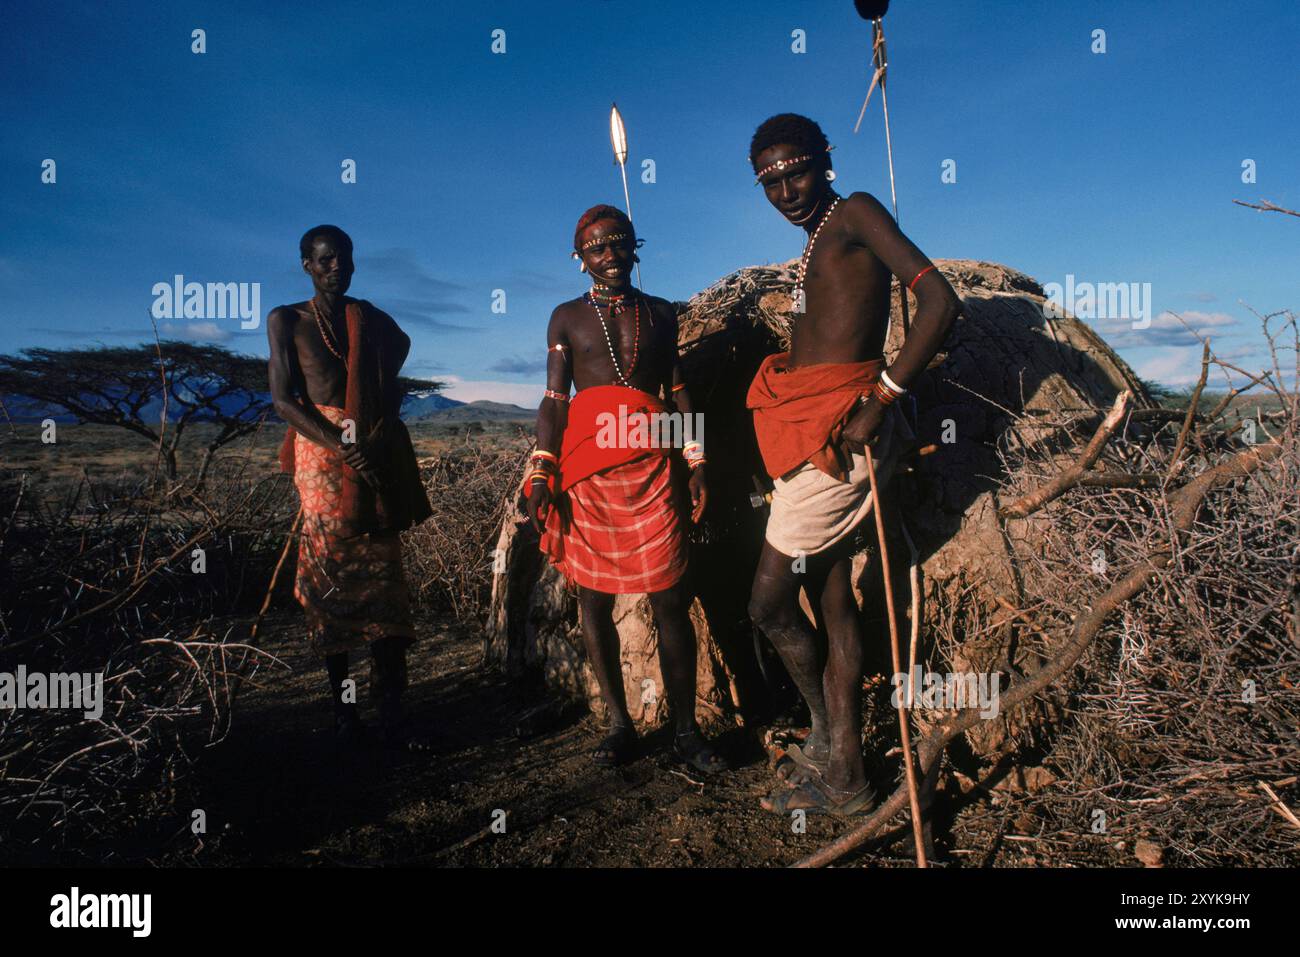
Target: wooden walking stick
<point x="904" y="702"/>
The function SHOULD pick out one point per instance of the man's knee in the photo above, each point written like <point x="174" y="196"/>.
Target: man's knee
<point x="596" y="602"/>
<point x="670" y="601"/>
<point x="768" y="612"/>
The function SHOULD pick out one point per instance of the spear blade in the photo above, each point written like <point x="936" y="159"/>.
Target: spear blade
<point x="618" y="135"/>
<point x="618" y="140"/>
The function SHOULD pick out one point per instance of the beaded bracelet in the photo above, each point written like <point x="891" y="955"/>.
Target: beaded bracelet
<point x="557" y="396"/>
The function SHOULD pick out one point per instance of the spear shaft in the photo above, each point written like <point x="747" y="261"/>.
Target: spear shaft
<point x="627" y="198"/>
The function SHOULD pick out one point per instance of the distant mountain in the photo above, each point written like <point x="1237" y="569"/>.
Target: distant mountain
<point x="22" y="409"/>
<point x="416" y="406"/>
<point x="480" y="411"/>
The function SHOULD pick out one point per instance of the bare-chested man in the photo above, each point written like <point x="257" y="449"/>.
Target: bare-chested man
<point x="333" y="370"/>
<point x="608" y="512"/>
<point x="817" y="410"/>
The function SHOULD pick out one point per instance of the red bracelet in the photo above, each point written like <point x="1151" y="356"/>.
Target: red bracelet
<point x="911" y="284"/>
<point x="882" y="393"/>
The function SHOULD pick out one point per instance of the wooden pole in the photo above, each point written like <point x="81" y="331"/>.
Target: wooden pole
<point x="904" y="727"/>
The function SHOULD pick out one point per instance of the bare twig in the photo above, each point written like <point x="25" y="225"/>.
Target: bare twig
<point x="1033" y="501"/>
<point x="1267" y="207"/>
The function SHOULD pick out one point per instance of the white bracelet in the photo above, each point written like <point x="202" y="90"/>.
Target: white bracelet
<point x="890" y="384"/>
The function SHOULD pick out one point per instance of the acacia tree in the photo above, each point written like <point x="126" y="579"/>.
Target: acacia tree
<point x="155" y="392"/>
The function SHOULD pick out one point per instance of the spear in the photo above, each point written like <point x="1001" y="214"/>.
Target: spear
<point x="618" y="140"/>
<point x="874" y="10"/>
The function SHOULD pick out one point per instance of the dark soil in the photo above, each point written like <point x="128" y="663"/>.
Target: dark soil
<point x="280" y="791"/>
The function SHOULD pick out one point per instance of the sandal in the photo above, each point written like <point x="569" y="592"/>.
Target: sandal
<point x="615" y="748"/>
<point x="815" y="796"/>
<point x="400" y="737"/>
<point x="796" y="764"/>
<point x="397" y="733"/>
<point x="693" y="748"/>
<point x="349" y="730"/>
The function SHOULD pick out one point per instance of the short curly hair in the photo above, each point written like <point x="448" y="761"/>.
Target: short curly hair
<point x="798" y="131"/>
<point x="597" y="213"/>
<point x="329" y="232"/>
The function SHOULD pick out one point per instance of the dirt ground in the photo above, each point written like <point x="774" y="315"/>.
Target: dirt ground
<point x="278" y="790"/>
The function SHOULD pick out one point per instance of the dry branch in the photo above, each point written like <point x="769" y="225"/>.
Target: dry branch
<point x="1267" y="207"/>
<point x="1069" y="478"/>
<point x="1184" y="504"/>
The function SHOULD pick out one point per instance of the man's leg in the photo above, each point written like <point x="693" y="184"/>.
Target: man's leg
<point x="388" y="683"/>
<point x="677" y="660"/>
<point x="774" y="609"/>
<point x="347" y="720"/>
<point x="601" y="640"/>
<point x="842" y="682"/>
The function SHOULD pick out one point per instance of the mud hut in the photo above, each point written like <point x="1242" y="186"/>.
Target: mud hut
<point x="1006" y="366"/>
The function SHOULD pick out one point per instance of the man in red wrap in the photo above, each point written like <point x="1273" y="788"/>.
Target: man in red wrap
<point x="333" y="372"/>
<point x="600" y="489"/>
<point x="819" y="409"/>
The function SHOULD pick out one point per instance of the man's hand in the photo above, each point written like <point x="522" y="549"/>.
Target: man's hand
<point x="860" y="431"/>
<point x="363" y="456"/>
<point x="539" y="505"/>
<point x="699" y="494"/>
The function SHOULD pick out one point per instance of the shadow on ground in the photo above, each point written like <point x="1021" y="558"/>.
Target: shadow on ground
<point x="279" y="791"/>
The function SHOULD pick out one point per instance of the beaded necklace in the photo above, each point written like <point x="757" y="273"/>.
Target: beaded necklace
<point x="636" y="338"/>
<point x="614" y="301"/>
<point x="808" y="250"/>
<point x="328" y="337"/>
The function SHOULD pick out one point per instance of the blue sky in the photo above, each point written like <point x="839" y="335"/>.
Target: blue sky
<point x="472" y="167"/>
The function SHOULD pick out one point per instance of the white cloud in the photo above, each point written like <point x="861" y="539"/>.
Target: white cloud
<point x="1172" y="367"/>
<point x="473" y="390"/>
<point x="1181" y="365"/>
<point x="194" y="331"/>
<point x="1165" y="329"/>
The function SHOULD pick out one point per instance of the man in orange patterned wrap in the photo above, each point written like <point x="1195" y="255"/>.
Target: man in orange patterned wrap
<point x="602" y="496"/>
<point x="333" y="371"/>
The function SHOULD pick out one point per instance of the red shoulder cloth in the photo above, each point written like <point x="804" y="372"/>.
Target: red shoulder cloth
<point x="593" y="438"/>
<point x="372" y="397"/>
<point x="799" y="411"/>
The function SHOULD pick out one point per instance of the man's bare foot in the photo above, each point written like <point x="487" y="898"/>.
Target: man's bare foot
<point x="615" y="748"/>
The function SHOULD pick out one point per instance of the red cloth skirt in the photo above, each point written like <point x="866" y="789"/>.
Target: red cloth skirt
<point x="349" y="584"/>
<point x="619" y="531"/>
